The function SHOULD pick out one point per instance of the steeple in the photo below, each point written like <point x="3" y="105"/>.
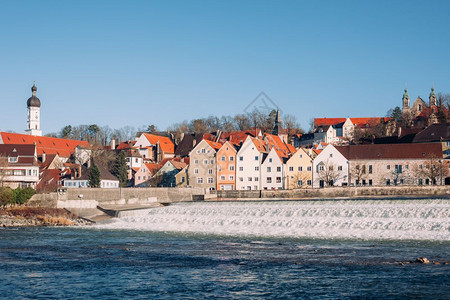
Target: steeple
<point x="33" y="116"/>
<point x="405" y="101"/>
<point x="278" y="123"/>
<point x="432" y="98"/>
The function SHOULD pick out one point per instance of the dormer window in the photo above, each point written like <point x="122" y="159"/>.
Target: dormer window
<point x="12" y="159"/>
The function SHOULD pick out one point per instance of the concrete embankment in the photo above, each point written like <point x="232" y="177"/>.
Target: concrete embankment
<point x="338" y="192"/>
<point x="92" y="203"/>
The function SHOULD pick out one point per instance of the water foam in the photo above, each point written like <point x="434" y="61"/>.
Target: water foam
<point x="367" y="219"/>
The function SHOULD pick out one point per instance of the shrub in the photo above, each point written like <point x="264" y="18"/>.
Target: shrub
<point x="21" y="196"/>
<point x="6" y="195"/>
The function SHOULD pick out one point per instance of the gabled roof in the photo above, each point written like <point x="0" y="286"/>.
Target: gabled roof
<point x="259" y="144"/>
<point x="276" y="142"/>
<point x="15" y="150"/>
<point x="434" y="133"/>
<point x="44" y="144"/>
<point x="179" y="165"/>
<point x="391" y="151"/>
<point x="152" y="167"/>
<point x="237" y="137"/>
<point x="214" y="145"/>
<point x="368" y="122"/>
<point x="125" y="145"/>
<point x="165" y="143"/>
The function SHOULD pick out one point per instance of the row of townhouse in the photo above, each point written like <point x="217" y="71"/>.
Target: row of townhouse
<point x="262" y="164"/>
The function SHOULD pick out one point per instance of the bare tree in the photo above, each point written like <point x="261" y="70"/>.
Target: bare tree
<point x="3" y="168"/>
<point x="242" y="122"/>
<point x="328" y="172"/>
<point x="433" y="170"/>
<point x="298" y="180"/>
<point x="358" y="173"/>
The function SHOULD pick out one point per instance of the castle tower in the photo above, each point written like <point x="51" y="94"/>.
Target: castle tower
<point x="34" y="118"/>
<point x="405" y="101"/>
<point x="432" y="98"/>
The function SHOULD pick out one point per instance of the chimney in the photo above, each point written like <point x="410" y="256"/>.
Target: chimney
<point x="89" y="163"/>
<point x="113" y="144"/>
<point x="79" y="171"/>
<point x="44" y="156"/>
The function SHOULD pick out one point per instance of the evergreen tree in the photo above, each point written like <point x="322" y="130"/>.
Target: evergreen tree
<point x="120" y="169"/>
<point x="94" y="176"/>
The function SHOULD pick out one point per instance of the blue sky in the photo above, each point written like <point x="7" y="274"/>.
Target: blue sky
<point x="136" y="63"/>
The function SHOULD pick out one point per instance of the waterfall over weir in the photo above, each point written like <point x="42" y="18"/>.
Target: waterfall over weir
<point x="366" y="219"/>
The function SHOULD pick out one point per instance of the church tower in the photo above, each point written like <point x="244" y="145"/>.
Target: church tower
<point x="277" y="128"/>
<point x="432" y="98"/>
<point x="34" y="118"/>
<point x="405" y="101"/>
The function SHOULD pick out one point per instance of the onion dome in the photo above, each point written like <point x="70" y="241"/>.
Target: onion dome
<point x="33" y="100"/>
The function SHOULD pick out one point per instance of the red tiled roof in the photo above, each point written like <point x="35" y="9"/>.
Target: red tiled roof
<point x="49" y="180"/>
<point x="280" y="146"/>
<point x="368" y="122"/>
<point x="44" y="144"/>
<point x="164" y="142"/>
<point x="125" y="145"/>
<point x="152" y="167"/>
<point x="327" y="121"/>
<point x="214" y="145"/>
<point x="259" y="144"/>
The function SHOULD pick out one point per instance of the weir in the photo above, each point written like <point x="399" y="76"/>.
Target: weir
<point x="419" y="219"/>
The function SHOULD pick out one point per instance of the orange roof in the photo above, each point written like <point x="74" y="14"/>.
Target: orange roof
<point x="259" y="144"/>
<point x="280" y="146"/>
<point x="153" y="168"/>
<point x="214" y="145"/>
<point x="125" y="145"/>
<point x="328" y="121"/>
<point x="236" y="137"/>
<point x="164" y="142"/>
<point x="317" y="151"/>
<point x="368" y="122"/>
<point x="44" y="144"/>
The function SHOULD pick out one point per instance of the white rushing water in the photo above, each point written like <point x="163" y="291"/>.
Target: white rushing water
<point x="365" y="219"/>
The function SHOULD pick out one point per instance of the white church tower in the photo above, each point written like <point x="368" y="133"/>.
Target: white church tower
<point x="34" y="114"/>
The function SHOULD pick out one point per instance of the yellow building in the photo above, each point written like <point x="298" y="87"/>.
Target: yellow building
<point x="299" y="170"/>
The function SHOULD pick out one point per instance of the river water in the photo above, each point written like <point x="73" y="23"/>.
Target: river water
<point x="255" y="250"/>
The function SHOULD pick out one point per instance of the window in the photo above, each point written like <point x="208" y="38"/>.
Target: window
<point x="241" y="158"/>
<point x="231" y="177"/>
<point x="249" y="179"/>
<point x="195" y="171"/>
<point x="301" y="155"/>
<point x="205" y="161"/>
<point x="270" y="160"/>
<point x="300" y="169"/>
<point x="222" y="158"/>
<point x="241" y="179"/>
<point x="370" y="170"/>
<point x="241" y="168"/>
<point x="321" y="168"/>
<point x="196" y="162"/>
<point x="406" y="167"/>
<point x="256" y="178"/>
<point x="291" y="169"/>
<point x="200" y="180"/>
<point x="388" y="182"/>
<point x="364" y="169"/>
<point x="339" y="168"/>
<point x="308" y="169"/>
<point x="210" y="171"/>
<point x="308" y="182"/>
<point x="331" y="154"/>
<point x="255" y="187"/>
<point x="12" y="159"/>
<point x="300" y="183"/>
<point x="420" y="181"/>
<point x="231" y="168"/>
<point x="269" y="179"/>
<point x="278" y="169"/>
<point x="420" y="167"/>
<point x="269" y="169"/>
<point x="139" y="177"/>
<point x="278" y="179"/>
<point x="256" y="157"/>
<point x="398" y="169"/>
<point x="211" y="161"/>
<point x="136" y="160"/>
<point x="182" y="179"/>
<point x="210" y="180"/>
<point x="219" y="167"/>
<point x="388" y="167"/>
<point x="203" y="150"/>
<point x="231" y="158"/>
<point x="256" y="168"/>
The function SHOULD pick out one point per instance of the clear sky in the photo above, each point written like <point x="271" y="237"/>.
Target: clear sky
<point x="136" y="63"/>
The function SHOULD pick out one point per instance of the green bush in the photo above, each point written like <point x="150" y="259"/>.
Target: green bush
<point x="6" y="195"/>
<point x="21" y="196"/>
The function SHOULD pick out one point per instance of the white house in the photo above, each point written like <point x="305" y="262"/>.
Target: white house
<point x="272" y="171"/>
<point x="248" y="164"/>
<point x="330" y="168"/>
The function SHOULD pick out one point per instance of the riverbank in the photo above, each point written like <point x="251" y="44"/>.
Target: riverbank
<point x="38" y="216"/>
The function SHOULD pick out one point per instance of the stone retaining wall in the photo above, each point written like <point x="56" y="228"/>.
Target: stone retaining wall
<point x="335" y="192"/>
